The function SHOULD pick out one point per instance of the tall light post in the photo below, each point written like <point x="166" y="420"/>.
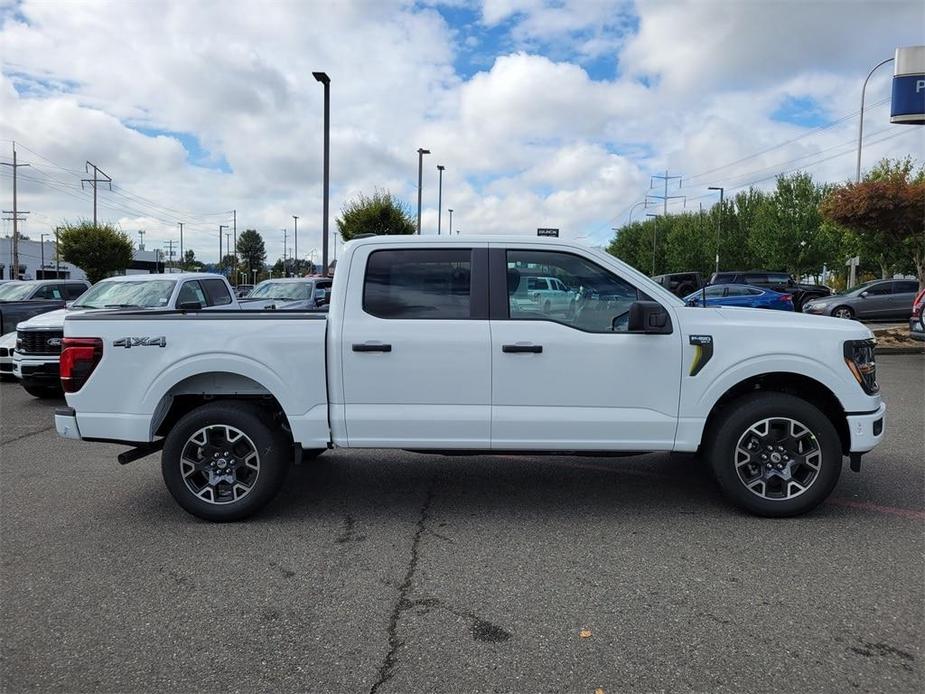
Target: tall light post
<point x="635" y="205"/>
<point x="326" y="81"/>
<point x="421" y="153"/>
<point x="451" y="221"/>
<point x="295" y="247"/>
<point x="719" y="222"/>
<point x="228" y="246"/>
<point x="221" y="230"/>
<point x="141" y="239"/>
<point x="440" y="168"/>
<point x="654" y="238"/>
<point x="42" y="246"/>
<point x="857" y="174"/>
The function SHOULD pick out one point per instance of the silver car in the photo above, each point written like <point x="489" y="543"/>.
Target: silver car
<point x="878" y="299"/>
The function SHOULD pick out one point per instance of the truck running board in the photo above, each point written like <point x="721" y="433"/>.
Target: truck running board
<point x="141" y="451"/>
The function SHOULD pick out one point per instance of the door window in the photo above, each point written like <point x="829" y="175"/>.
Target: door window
<point x="599" y="296"/>
<point x="714" y="292"/>
<point x="191" y="292"/>
<point x="418" y="284"/>
<point x="905" y="287"/>
<point x="740" y="290"/>
<point x="880" y="289"/>
<point x="49" y="291"/>
<point x="217" y="291"/>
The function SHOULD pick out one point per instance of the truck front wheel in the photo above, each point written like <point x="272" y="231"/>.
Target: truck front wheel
<point x="225" y="461"/>
<point x="775" y="454"/>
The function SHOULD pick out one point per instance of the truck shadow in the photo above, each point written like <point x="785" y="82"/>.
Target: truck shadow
<point x="371" y="483"/>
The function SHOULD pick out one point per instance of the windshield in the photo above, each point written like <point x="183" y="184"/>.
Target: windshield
<point x="127" y="294"/>
<point x="292" y="291"/>
<point x="15" y="291"/>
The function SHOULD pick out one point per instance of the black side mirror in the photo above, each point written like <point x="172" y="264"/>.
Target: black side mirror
<point x="190" y="306"/>
<point x="650" y="318"/>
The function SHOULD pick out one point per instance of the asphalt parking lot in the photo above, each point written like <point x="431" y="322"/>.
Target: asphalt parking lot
<point x="397" y="572"/>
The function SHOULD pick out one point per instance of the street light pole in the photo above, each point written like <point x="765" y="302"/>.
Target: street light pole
<point x="654" y="238"/>
<point x="635" y="205"/>
<point x="719" y="222"/>
<point x="295" y="247"/>
<point x="451" y="221"/>
<point x="421" y="153"/>
<point x="857" y="174"/>
<point x="440" y="168"/>
<point x="326" y="81"/>
<point x="42" y="246"/>
<point x="221" y="227"/>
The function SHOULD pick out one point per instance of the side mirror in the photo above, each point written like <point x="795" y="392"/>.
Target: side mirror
<point x="649" y="317"/>
<point x="864" y="294"/>
<point x="190" y="306"/>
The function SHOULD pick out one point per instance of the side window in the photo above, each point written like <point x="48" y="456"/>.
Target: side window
<point x="740" y="290"/>
<point x="72" y="291"/>
<point x="599" y="296"/>
<point x="191" y="292"/>
<point x="905" y="287"/>
<point x="756" y="278"/>
<point x="49" y="291"/>
<point x="418" y="284"/>
<point x="880" y="289"/>
<point x="715" y="291"/>
<point x="217" y="292"/>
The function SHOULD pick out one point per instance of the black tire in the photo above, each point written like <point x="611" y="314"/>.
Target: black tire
<point x="43" y="392"/>
<point x="843" y="312"/>
<point x="736" y="422"/>
<point x="274" y="458"/>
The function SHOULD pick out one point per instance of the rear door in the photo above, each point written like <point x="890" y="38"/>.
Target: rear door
<point x="876" y="301"/>
<point x="904" y="292"/>
<point x="576" y="380"/>
<point x="416" y="347"/>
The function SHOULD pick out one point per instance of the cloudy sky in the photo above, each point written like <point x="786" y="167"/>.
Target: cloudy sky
<point x="544" y="112"/>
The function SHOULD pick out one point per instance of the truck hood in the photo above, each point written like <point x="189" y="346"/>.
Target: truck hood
<point x="8" y="340"/>
<point x="777" y="322"/>
<point x="53" y="319"/>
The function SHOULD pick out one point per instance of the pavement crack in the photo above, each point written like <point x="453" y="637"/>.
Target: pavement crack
<point x="403" y="603"/>
<point x="25" y="436"/>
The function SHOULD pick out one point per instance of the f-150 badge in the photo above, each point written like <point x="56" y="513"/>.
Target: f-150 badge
<point x="129" y="342"/>
<point x="703" y="352"/>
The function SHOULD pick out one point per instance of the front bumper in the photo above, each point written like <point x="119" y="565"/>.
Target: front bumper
<point x="916" y="332"/>
<point x="867" y="429"/>
<point x="66" y="423"/>
<point x="44" y="371"/>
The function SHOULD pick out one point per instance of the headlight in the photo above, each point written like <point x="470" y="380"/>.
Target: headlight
<point x="859" y="357"/>
<point x="818" y="304"/>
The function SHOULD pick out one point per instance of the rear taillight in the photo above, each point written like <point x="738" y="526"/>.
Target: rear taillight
<point x="785" y="297"/>
<point x="79" y="356"/>
<point x="917" y="304"/>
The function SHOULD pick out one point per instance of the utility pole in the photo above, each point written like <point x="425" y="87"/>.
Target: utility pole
<point x="421" y="153"/>
<point x="180" y="224"/>
<point x="42" y="247"/>
<point x="719" y="222"/>
<point x="295" y="250"/>
<point x="169" y="243"/>
<point x="15" y="218"/>
<point x="285" y="235"/>
<point x="665" y="198"/>
<point x="141" y="239"/>
<point x="234" y="263"/>
<point x="440" y="168"/>
<point x="57" y="257"/>
<point x="654" y="238"/>
<point x="451" y="221"/>
<point x="95" y="181"/>
<point x="221" y="228"/>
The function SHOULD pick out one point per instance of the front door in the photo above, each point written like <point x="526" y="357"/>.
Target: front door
<point x="573" y="378"/>
<point x="416" y="348"/>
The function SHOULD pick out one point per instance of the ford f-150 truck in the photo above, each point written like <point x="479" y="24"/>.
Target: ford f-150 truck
<point x="425" y="349"/>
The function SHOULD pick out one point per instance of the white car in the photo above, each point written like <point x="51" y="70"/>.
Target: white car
<point x="7" y="344"/>
<point x="38" y="340"/>
<point x="548" y="294"/>
<point x="424" y="348"/>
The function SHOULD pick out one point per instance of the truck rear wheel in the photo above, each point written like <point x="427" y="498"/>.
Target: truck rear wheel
<point x="775" y="455"/>
<point x="225" y="461"/>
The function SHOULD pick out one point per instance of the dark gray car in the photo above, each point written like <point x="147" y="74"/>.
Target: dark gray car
<point x="20" y="301"/>
<point x="878" y="299"/>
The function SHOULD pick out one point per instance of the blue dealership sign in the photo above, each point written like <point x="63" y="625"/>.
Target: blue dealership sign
<point x="908" y="104"/>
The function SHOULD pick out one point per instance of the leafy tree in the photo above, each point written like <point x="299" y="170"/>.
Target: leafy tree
<point x="189" y="263"/>
<point x="379" y="213"/>
<point x="98" y="249"/>
<point x="886" y="212"/>
<point x="252" y="251"/>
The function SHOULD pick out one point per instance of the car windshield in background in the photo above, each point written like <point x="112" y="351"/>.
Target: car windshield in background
<point x="15" y="291"/>
<point x="291" y="291"/>
<point x="128" y="294"/>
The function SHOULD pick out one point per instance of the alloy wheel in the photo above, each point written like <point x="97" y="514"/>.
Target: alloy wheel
<point x="219" y="464"/>
<point x="778" y="458"/>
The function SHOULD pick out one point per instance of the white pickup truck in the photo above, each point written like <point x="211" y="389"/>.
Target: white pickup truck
<point x="424" y="349"/>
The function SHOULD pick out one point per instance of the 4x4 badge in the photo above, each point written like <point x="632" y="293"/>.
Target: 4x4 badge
<point x="129" y="342"/>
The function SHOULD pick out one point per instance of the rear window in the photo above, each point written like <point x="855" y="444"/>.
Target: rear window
<point x="723" y="278"/>
<point x="756" y="278"/>
<point x="905" y="287"/>
<point x="418" y="284"/>
<point x="217" y="292"/>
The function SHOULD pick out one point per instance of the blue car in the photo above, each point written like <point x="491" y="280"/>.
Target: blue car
<point x="741" y="295"/>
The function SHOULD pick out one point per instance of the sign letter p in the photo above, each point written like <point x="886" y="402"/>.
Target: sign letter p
<point x="919" y="86"/>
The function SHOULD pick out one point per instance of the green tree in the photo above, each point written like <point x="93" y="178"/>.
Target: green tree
<point x="379" y="213"/>
<point x="252" y="251"/>
<point x="189" y="262"/>
<point x="886" y="212"/>
<point x="98" y="249"/>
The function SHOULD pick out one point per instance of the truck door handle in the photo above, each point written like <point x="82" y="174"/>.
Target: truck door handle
<point x="371" y="347"/>
<point x="517" y="349"/>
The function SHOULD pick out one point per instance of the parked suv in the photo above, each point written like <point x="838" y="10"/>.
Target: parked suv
<point x="20" y="301"/>
<point x="917" y="321"/>
<point x="680" y="283"/>
<point x="878" y="299"/>
<point x="778" y="281"/>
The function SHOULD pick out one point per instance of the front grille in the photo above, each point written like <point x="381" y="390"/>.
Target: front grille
<point x="39" y="341"/>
